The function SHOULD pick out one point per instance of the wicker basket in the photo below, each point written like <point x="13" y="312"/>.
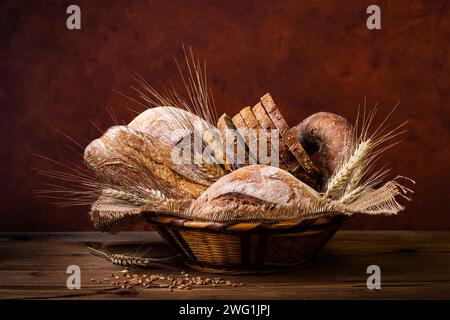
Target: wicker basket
<point x="243" y="248"/>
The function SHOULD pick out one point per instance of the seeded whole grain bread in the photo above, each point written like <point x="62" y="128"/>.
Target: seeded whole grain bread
<point x="249" y="118"/>
<point x="255" y="192"/>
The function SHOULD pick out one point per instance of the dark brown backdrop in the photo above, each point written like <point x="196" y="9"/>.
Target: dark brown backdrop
<point x="311" y="55"/>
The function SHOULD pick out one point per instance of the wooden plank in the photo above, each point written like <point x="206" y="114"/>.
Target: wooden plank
<point x="414" y="265"/>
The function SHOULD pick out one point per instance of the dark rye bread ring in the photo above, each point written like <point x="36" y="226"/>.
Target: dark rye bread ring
<point x="328" y="134"/>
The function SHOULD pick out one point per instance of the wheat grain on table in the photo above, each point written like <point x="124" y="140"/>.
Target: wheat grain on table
<point x="414" y="265"/>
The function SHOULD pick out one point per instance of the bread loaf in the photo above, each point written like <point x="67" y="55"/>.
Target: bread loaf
<point x="249" y="118"/>
<point x="255" y="192"/>
<point x="128" y="158"/>
<point x="287" y="161"/>
<point x="328" y="134"/>
<point x="169" y="126"/>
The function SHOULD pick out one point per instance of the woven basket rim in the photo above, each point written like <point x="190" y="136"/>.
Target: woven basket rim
<point x="178" y="222"/>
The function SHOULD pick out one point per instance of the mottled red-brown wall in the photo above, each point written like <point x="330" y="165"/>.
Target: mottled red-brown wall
<point x="311" y="55"/>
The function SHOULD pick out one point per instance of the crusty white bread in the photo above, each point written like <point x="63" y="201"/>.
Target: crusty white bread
<point x="169" y="126"/>
<point x="128" y="158"/>
<point x="255" y="192"/>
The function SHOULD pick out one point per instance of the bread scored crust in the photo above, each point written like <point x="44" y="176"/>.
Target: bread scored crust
<point x="289" y="139"/>
<point x="170" y="125"/>
<point x="128" y="158"/>
<point x="330" y="135"/>
<point x="255" y="192"/>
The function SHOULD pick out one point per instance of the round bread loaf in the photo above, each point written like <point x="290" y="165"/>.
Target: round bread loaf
<point x="255" y="192"/>
<point x="170" y="125"/>
<point x="328" y="134"/>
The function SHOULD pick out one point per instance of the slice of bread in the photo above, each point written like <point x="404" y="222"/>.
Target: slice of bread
<point x="224" y="124"/>
<point x="287" y="161"/>
<point x="249" y="118"/>
<point x="244" y="132"/>
<point x="254" y="130"/>
<point x="288" y="136"/>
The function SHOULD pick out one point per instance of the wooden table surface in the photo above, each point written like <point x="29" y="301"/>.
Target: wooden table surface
<point x="413" y="265"/>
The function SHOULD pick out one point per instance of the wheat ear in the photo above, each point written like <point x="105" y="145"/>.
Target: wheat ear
<point x="137" y="261"/>
<point x="149" y="200"/>
<point x="123" y="195"/>
<point x="339" y="180"/>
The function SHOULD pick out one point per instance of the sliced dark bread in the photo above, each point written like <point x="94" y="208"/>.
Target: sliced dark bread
<point x="289" y="137"/>
<point x="286" y="161"/>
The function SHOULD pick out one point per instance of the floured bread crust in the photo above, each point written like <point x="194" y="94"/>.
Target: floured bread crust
<point x="170" y="125"/>
<point x="258" y="186"/>
<point x="126" y="157"/>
